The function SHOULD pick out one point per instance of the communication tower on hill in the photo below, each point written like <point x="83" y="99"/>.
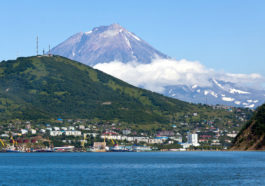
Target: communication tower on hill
<point x="49" y="50"/>
<point x="37" y="46"/>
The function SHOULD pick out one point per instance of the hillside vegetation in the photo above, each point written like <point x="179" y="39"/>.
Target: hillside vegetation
<point x="43" y="87"/>
<point x="252" y="136"/>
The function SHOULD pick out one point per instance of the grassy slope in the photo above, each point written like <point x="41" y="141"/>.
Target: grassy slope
<point x="51" y="87"/>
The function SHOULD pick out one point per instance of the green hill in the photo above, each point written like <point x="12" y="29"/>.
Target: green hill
<point x="42" y="87"/>
<point x="252" y="136"/>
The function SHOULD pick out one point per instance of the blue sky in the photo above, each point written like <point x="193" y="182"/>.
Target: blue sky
<point x="227" y="35"/>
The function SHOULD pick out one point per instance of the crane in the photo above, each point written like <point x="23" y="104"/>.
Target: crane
<point x="13" y="141"/>
<point x="2" y="142"/>
<point x="83" y="142"/>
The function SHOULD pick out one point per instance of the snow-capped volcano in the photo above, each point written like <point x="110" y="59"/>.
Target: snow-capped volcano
<point x="105" y="44"/>
<point x="121" y="53"/>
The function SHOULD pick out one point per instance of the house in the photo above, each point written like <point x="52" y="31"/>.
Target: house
<point x="56" y="128"/>
<point x="164" y="138"/>
<point x="71" y="128"/>
<point x="99" y="145"/>
<point x="166" y="133"/>
<point x="42" y="130"/>
<point x="215" y="142"/>
<point x="177" y="138"/>
<point x="33" y="131"/>
<point x="92" y="134"/>
<point x="154" y="141"/>
<point x="232" y="135"/>
<point x="63" y="128"/>
<point x="4" y="135"/>
<point x="126" y="132"/>
<point x="24" y="131"/>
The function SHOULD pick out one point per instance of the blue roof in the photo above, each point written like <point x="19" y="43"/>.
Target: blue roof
<point x="161" y="137"/>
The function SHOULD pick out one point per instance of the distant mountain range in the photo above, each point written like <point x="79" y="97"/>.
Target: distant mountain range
<point x="114" y="43"/>
<point x="224" y="93"/>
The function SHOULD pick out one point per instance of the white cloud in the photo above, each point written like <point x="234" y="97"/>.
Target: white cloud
<point x="168" y="72"/>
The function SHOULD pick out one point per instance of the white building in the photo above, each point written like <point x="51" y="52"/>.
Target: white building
<point x="126" y="132"/>
<point x="153" y="141"/>
<point x="232" y="135"/>
<point x="56" y="128"/>
<point x="192" y="138"/>
<point x="24" y="131"/>
<point x="73" y="133"/>
<point x="33" y="131"/>
<point x="71" y="128"/>
<point x="192" y="141"/>
<point x="55" y="133"/>
<point x="42" y="130"/>
<point x="63" y="128"/>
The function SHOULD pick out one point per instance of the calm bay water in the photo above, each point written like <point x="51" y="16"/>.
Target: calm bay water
<point x="151" y="168"/>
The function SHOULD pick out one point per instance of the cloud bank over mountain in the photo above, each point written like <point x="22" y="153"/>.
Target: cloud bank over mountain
<point x="123" y="54"/>
<point x="160" y="73"/>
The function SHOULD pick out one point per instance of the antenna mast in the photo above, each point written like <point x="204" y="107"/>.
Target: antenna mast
<point x="37" y="46"/>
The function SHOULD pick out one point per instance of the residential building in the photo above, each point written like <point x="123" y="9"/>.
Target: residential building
<point x="55" y="133"/>
<point x="73" y="133"/>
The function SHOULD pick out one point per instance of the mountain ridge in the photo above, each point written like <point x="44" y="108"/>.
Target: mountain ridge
<point x="252" y="135"/>
<point x="58" y="87"/>
<point x="48" y="87"/>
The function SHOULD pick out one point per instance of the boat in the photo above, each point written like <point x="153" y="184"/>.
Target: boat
<point x="119" y="148"/>
<point x="44" y="150"/>
<point x="10" y="150"/>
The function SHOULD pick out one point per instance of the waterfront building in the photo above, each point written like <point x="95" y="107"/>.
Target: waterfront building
<point x="192" y="138"/>
<point x="192" y="141"/>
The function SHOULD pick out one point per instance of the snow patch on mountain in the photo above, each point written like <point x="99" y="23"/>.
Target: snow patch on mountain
<point x="237" y="102"/>
<point x="233" y="90"/>
<point x="218" y="84"/>
<point x="227" y="99"/>
<point x="88" y="32"/>
<point x="214" y="94"/>
<point x="194" y="86"/>
<point x="134" y="36"/>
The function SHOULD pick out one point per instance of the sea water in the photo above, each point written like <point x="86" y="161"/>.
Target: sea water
<point x="144" y="168"/>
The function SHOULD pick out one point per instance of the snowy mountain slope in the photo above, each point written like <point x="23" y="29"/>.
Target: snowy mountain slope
<point x="105" y="44"/>
<point x="223" y="93"/>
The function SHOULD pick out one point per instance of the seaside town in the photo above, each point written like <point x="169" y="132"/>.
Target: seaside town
<point x="84" y="135"/>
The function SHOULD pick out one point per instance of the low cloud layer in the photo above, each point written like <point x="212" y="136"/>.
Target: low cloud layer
<point x="168" y="72"/>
